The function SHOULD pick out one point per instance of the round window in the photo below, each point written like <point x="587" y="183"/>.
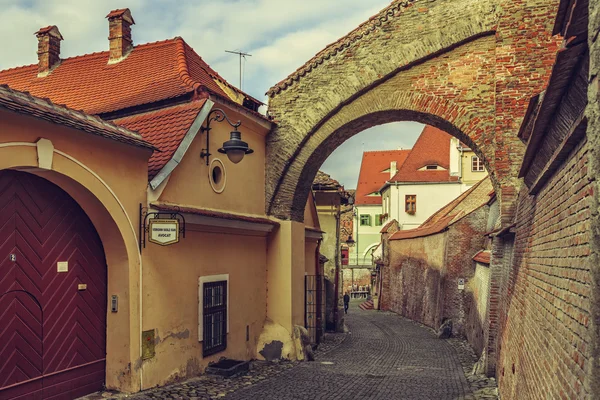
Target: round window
<point x="217" y="175"/>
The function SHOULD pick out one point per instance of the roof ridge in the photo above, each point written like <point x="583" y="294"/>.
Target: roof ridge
<point x="182" y="65"/>
<point x="384" y="151"/>
<point x="344" y="42"/>
<point x="95" y="53"/>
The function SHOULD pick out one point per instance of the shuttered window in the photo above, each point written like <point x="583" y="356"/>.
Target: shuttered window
<point x="214" y="317"/>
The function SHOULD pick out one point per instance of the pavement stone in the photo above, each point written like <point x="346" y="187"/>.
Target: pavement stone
<point x="383" y="356"/>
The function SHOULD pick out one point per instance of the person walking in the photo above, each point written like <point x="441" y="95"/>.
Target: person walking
<point x="346" y="302"/>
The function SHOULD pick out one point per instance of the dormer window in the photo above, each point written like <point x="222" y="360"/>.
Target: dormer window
<point x="432" y="167"/>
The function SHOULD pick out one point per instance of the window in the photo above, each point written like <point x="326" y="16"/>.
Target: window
<point x="214" y="317"/>
<point x="431" y="167"/>
<point x="410" y="205"/>
<point x="365" y="220"/>
<point x="378" y="219"/>
<point x="477" y="164"/>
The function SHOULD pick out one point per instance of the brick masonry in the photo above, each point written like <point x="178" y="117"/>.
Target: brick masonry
<point x="421" y="280"/>
<point x="472" y="78"/>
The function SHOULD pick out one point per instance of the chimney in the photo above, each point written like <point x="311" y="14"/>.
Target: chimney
<point x="393" y="169"/>
<point x="119" y="34"/>
<point x="48" y="49"/>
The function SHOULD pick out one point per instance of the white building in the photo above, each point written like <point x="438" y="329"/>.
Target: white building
<point x="426" y="181"/>
<point x="376" y="169"/>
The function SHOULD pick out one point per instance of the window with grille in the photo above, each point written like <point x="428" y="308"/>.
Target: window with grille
<point x="365" y="220"/>
<point x="477" y="164"/>
<point x="410" y="205"/>
<point x="214" y="317"/>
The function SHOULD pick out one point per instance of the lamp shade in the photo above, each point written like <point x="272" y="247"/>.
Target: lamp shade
<point x="350" y="242"/>
<point x="235" y="147"/>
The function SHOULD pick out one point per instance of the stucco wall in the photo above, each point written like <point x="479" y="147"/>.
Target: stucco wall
<point x="478" y="287"/>
<point x="170" y="284"/>
<point x="415" y="264"/>
<point x="108" y="180"/>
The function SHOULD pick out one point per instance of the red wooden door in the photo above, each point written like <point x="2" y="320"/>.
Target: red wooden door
<point x="52" y="332"/>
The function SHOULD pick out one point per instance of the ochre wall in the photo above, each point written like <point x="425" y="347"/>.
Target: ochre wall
<point x="171" y="301"/>
<point x="244" y="191"/>
<point x="108" y="179"/>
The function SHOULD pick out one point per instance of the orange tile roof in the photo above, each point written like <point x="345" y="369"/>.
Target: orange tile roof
<point x="431" y="148"/>
<point x="483" y="256"/>
<point x="431" y="229"/>
<point x="151" y="72"/>
<point x="372" y="177"/>
<point x="24" y="103"/>
<point x="164" y="128"/>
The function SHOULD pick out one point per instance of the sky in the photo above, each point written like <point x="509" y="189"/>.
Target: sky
<point x="281" y="35"/>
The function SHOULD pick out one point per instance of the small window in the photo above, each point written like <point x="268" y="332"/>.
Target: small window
<point x="365" y="220"/>
<point x="431" y="167"/>
<point x="477" y="164"/>
<point x="378" y="219"/>
<point x="214" y="316"/>
<point x="410" y="205"/>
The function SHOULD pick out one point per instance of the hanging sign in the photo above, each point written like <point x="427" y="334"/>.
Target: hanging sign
<point x="461" y="283"/>
<point x="163" y="231"/>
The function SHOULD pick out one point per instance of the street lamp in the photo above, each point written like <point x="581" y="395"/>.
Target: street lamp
<point x="235" y="147"/>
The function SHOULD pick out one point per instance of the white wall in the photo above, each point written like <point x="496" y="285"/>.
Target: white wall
<point x="366" y="236"/>
<point x="430" y="198"/>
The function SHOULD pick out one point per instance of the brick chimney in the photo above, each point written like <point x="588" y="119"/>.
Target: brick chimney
<point x="119" y="34"/>
<point x="48" y="49"/>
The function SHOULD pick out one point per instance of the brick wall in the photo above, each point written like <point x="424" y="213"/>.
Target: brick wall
<point x="544" y="347"/>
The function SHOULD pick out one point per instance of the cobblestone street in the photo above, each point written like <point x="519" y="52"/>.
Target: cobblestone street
<point x="384" y="356"/>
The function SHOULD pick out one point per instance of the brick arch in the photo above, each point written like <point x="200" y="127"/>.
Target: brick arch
<point x="401" y="106"/>
<point x="466" y="66"/>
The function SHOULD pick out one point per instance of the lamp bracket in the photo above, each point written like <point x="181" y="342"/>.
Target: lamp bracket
<point x="217" y="115"/>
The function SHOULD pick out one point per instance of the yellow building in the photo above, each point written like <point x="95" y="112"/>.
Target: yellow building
<point x="98" y="197"/>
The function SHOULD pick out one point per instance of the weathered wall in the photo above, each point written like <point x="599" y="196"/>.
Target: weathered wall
<point x="593" y="136"/>
<point x="464" y="239"/>
<point x="413" y="280"/>
<point x="545" y="343"/>
<point x="108" y="180"/>
<point x="171" y="300"/>
<point x="478" y="289"/>
<point x="360" y="277"/>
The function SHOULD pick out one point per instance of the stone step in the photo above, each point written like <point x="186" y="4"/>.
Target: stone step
<point x="367" y="305"/>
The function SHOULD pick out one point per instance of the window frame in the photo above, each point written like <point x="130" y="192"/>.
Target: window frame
<point x="378" y="220"/>
<point x="480" y="166"/>
<point x="201" y="282"/>
<point x="368" y="219"/>
<point x="410" y="199"/>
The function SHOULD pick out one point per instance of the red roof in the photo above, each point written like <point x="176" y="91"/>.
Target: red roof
<point x="151" y="72"/>
<point x="164" y="128"/>
<point x="24" y="103"/>
<point x="372" y="176"/>
<point x="484" y="257"/>
<point x="431" y="229"/>
<point x="432" y="148"/>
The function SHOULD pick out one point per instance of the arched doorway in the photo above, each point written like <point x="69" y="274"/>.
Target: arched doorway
<point x="53" y="292"/>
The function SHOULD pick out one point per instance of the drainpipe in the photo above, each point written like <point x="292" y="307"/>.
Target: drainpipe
<point x="336" y="279"/>
<point x="319" y="278"/>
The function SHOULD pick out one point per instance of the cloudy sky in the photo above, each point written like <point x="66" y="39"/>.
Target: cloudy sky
<point x="280" y="34"/>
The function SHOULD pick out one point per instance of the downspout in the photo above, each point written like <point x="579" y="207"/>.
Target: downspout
<point x="320" y="283"/>
<point x="336" y="279"/>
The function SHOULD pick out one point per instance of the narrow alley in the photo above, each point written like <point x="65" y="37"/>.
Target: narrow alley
<point x="384" y="356"/>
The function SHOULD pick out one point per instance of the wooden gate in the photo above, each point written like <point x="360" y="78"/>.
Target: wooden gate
<point x="52" y="293"/>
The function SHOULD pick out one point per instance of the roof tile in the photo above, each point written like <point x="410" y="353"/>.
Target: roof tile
<point x="165" y="129"/>
<point x="372" y="176"/>
<point x="431" y="148"/>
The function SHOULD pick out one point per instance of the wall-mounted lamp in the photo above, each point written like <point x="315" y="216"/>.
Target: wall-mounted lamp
<point x="350" y="242"/>
<point x="235" y="147"/>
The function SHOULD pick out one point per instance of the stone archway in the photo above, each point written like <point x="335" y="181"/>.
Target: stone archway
<point x="468" y="67"/>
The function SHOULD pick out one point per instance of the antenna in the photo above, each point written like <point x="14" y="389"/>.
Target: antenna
<point x="241" y="55"/>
